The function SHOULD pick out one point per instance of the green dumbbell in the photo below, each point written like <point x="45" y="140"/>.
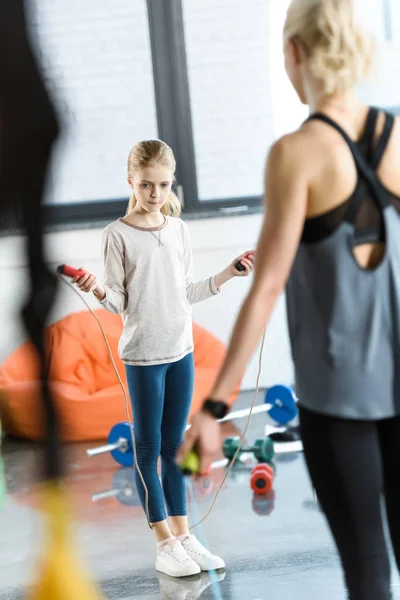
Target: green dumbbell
<point x="263" y="449"/>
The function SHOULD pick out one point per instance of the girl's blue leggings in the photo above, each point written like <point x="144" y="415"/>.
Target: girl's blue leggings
<point x="161" y="396"/>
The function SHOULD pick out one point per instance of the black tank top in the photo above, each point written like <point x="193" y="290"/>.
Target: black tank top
<point x="344" y="320"/>
<point x="369" y="225"/>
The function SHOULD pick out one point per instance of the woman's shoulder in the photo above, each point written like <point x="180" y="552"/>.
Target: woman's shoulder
<point x="291" y="148"/>
<point x="304" y="149"/>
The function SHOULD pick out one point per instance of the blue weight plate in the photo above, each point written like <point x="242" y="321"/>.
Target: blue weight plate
<point x="122" y="430"/>
<point x="124" y="482"/>
<point x="283" y="404"/>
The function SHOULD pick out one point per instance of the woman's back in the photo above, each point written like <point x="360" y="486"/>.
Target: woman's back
<point x="343" y="293"/>
<point x="335" y="178"/>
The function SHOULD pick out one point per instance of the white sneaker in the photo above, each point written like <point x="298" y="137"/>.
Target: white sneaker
<point x="189" y="588"/>
<point x="202" y="556"/>
<point x="173" y="560"/>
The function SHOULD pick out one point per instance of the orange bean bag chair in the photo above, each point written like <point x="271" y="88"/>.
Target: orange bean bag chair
<point x="86" y="392"/>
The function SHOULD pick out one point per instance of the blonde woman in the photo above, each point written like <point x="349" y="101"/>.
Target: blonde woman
<point x="331" y="236"/>
<point x="148" y="278"/>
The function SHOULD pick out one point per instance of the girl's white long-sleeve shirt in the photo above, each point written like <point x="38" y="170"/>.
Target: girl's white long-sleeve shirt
<point x="148" y="277"/>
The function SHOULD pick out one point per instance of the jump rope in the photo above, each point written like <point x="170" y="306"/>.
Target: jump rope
<point x="71" y="272"/>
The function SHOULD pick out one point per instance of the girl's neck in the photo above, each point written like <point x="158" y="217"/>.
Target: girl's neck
<point x="145" y="219"/>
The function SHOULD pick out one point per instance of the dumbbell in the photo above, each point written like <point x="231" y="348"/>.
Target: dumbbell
<point x="280" y="404"/>
<point x="264" y="505"/>
<point x="263" y="450"/>
<point x="262" y="479"/>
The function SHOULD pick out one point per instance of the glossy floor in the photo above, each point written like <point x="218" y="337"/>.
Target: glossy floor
<point x="275" y="550"/>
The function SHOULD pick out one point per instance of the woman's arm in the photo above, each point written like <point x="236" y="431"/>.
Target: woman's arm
<point x="286" y="192"/>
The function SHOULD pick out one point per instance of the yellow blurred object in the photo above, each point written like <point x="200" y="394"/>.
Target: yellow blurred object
<point x="61" y="575"/>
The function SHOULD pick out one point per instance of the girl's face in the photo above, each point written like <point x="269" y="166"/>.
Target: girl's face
<point x="152" y="186"/>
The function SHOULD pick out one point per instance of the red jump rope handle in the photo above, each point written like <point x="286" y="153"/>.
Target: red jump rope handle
<point x="70" y="271"/>
<point x="239" y="266"/>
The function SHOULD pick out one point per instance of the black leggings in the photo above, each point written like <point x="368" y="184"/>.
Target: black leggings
<point x="352" y="464"/>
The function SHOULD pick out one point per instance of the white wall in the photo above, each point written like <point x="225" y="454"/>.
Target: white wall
<point x="87" y="62"/>
<point x="215" y="243"/>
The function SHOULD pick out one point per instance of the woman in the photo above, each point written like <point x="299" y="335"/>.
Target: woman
<point x="331" y="235"/>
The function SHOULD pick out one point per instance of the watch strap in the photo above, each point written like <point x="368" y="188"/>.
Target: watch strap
<point x="215" y="408"/>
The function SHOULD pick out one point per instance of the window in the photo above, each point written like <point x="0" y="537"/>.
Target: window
<point x="227" y="54"/>
<point x="96" y="57"/>
<point x="206" y="76"/>
<point x="383" y="21"/>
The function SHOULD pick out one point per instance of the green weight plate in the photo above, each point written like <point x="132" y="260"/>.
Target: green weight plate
<point x="230" y="446"/>
<point x="264" y="450"/>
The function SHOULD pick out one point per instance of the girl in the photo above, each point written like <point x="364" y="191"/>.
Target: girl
<point x="148" y="278"/>
<point x="332" y="234"/>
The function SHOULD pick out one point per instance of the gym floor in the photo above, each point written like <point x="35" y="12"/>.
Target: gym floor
<point x="274" y="549"/>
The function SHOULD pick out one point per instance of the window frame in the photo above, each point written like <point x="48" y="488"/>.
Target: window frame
<point x="387" y="14"/>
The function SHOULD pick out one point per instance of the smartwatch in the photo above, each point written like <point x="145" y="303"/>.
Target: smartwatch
<point x="215" y="408"/>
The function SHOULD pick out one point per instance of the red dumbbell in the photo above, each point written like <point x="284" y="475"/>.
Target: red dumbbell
<point x="262" y="479"/>
<point x="263" y="506"/>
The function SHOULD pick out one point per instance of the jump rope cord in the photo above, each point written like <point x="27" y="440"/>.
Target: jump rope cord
<point x="242" y="437"/>
<point x="126" y="401"/>
<point x="130" y="416"/>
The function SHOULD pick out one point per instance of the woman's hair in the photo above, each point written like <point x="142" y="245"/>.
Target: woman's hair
<point x="153" y="152"/>
<point x="340" y="54"/>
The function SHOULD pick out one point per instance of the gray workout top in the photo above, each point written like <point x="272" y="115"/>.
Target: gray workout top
<point x="344" y="321"/>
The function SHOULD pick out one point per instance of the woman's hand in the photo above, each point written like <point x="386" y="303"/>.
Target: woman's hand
<point x="205" y="437"/>
<point x="247" y="260"/>
<point x="87" y="283"/>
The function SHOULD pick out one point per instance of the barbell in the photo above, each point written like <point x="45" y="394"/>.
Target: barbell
<point x="280" y="403"/>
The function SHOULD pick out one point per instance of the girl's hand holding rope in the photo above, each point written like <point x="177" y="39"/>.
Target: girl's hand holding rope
<point x="88" y="283"/>
<point x="247" y="260"/>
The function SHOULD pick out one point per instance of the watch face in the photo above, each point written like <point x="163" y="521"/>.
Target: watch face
<point x="215" y="408"/>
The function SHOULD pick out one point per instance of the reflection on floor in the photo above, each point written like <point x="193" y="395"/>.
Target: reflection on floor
<point x="275" y="549"/>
